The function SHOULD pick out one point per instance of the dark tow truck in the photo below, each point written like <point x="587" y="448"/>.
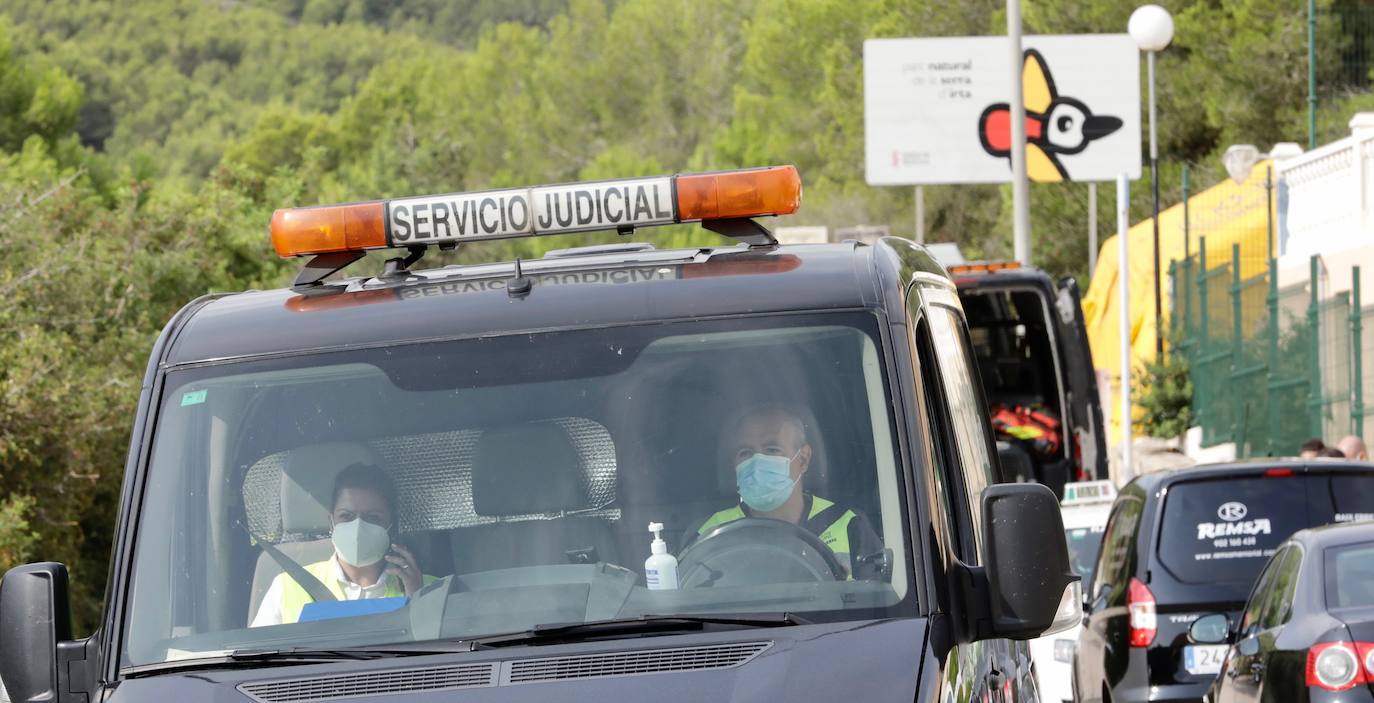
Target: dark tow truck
<point x="1032" y="349"/>
<point x="531" y="418"/>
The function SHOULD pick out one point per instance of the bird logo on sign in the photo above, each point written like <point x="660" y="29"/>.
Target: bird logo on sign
<point x="1055" y="124"/>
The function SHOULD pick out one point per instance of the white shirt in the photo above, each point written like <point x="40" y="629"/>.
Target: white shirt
<point x="269" y="611"/>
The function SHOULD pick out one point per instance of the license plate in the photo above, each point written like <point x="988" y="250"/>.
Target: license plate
<point x="1204" y="659"/>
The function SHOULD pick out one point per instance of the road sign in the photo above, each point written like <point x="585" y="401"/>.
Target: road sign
<point x="936" y="110"/>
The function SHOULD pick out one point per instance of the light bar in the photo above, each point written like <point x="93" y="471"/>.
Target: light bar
<point x="984" y="267"/>
<point x="526" y="212"/>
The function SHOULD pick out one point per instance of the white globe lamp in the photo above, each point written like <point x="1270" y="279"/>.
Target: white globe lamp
<point x="1151" y="27"/>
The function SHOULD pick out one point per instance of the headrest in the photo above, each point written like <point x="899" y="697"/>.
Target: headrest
<point x="526" y="469"/>
<point x="307" y="483"/>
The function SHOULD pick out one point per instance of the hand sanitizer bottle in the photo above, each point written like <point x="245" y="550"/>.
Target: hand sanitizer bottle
<point x="660" y="569"/>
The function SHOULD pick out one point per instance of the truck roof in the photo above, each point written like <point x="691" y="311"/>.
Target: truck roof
<point x="597" y="286"/>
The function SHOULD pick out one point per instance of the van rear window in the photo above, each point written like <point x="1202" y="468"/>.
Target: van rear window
<point x="1223" y="531"/>
<point x="1352" y="495"/>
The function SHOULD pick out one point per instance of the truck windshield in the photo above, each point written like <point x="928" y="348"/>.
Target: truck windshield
<point x="454" y="489"/>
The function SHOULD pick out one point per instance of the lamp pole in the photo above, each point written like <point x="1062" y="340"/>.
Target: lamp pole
<point x="1311" y="74"/>
<point x="1154" y="199"/>
<point x="1153" y="28"/>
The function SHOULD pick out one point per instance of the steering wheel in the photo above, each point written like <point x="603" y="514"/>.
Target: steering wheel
<point x="753" y="551"/>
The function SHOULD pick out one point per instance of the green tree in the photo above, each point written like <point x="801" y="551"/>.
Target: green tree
<point x="33" y="102"/>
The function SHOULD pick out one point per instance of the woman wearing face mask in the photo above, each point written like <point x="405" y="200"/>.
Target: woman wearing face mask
<point x="366" y="562"/>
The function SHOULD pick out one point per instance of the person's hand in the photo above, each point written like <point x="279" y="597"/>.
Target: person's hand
<point x="402" y="564"/>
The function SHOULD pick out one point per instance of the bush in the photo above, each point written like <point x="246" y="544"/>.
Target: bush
<point x="1166" y="404"/>
<point x="16" y="539"/>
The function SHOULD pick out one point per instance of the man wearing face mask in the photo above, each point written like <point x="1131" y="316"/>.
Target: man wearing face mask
<point x="771" y="456"/>
<point x="366" y="563"/>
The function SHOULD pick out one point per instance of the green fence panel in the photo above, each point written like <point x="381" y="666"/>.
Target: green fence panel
<point x="1257" y="350"/>
<point x="1335" y="366"/>
<point x="1273" y="363"/>
<point x="1364" y="343"/>
<point x="1290" y="375"/>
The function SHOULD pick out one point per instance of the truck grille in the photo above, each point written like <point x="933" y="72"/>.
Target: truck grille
<point x="374" y="683"/>
<point x="447" y="678"/>
<point x="584" y="666"/>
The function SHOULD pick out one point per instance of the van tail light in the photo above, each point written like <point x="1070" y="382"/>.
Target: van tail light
<point x="1340" y="666"/>
<point x="1140" y="603"/>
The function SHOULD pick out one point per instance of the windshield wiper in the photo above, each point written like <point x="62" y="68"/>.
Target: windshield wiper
<point x="253" y="658"/>
<point x="644" y="625"/>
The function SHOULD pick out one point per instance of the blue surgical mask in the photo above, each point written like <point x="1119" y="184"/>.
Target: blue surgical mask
<point x="765" y="481"/>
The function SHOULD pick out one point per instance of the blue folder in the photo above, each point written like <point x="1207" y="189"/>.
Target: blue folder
<point x="349" y="608"/>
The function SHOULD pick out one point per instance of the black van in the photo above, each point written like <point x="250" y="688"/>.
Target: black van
<point x="1180" y="544"/>
<point x="437" y="482"/>
<point x="1032" y="348"/>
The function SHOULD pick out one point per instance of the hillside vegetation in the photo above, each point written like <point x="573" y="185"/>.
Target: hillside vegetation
<point x="143" y="147"/>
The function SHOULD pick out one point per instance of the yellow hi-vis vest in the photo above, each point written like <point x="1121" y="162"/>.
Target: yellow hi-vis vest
<point x="294" y="597"/>
<point x="835" y="535"/>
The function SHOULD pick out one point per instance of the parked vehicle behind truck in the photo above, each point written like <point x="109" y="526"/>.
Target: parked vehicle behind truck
<point x="1033" y="356"/>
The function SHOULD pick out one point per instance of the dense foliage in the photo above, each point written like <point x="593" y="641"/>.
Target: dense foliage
<point x="1165" y="406"/>
<point x="143" y="146"/>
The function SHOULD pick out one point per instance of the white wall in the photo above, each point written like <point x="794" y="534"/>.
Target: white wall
<point x="1326" y="198"/>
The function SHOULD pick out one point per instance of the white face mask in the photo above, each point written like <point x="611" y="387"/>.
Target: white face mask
<point x="361" y="543"/>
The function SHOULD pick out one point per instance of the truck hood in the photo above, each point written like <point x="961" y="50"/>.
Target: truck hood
<point x="868" y="661"/>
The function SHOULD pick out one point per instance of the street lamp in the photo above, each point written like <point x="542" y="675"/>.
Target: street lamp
<point x="1240" y="160"/>
<point x="1152" y="29"/>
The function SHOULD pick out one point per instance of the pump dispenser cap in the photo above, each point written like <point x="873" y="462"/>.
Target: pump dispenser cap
<point x="658" y="546"/>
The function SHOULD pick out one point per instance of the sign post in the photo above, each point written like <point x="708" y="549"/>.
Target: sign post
<point x="1092" y="228"/>
<point x="920" y="214"/>
<point x="1123" y="277"/>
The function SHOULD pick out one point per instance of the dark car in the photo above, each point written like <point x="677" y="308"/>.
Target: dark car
<point x="1187" y="542"/>
<point x="1307" y="631"/>
<point x="1036" y="366"/>
<point x="491" y="441"/>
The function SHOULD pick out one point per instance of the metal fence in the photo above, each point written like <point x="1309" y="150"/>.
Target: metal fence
<point x="1271" y="365"/>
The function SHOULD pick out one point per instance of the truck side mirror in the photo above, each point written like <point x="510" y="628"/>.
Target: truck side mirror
<point x="35" y="615"/>
<point x="1032" y="589"/>
<point x="1213" y="628"/>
